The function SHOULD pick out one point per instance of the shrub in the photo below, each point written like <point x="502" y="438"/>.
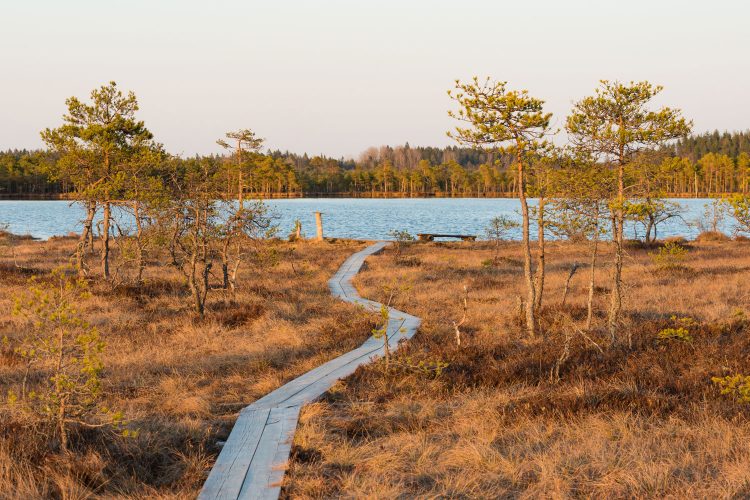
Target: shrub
<point x="685" y="321"/>
<point x="670" y="257"/>
<point x="429" y="367"/>
<point x="296" y="233"/>
<point x="735" y="386"/>
<point x="410" y="261"/>
<point x="650" y="213"/>
<point x="680" y="240"/>
<point x="497" y="230"/>
<point x="712" y="236"/>
<point x="634" y="244"/>
<point x="402" y="238"/>
<point x="739" y="208"/>
<point x="714" y="214"/>
<point x="381" y="332"/>
<point x="59" y="342"/>
<point x="5" y="238"/>
<point x="680" y="333"/>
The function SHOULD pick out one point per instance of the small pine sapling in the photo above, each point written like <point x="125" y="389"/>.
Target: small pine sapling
<point x="385" y="320"/>
<point x="402" y="239"/>
<point x="670" y="257"/>
<point x="382" y="333"/>
<point x="498" y="230"/>
<point x="58" y="341"/>
<point x="296" y="233"/>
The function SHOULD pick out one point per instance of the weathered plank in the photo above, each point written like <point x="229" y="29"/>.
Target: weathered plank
<point x="263" y="479"/>
<point x="252" y="463"/>
<point x="230" y="469"/>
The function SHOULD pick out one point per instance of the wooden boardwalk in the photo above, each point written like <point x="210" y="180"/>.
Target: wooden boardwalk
<point x="254" y="458"/>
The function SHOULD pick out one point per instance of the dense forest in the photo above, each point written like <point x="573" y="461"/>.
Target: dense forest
<point x="704" y="164"/>
<point x="695" y="147"/>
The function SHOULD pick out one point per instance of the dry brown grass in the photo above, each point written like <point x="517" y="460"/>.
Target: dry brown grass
<point x="180" y="381"/>
<point x="617" y="423"/>
<point x="712" y="236"/>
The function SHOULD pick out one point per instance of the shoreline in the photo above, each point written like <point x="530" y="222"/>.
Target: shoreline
<point x="385" y="196"/>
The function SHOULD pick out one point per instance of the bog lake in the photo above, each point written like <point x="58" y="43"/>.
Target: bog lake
<point x="357" y="218"/>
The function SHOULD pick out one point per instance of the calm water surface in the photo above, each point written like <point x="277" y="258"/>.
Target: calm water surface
<point x="360" y="218"/>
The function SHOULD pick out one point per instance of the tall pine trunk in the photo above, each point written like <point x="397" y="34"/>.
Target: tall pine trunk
<point x="531" y="298"/>
<point x="85" y="239"/>
<point x="107" y="216"/>
<point x="225" y="262"/>
<point x="194" y="287"/>
<point x="615" y="308"/>
<point x="235" y="267"/>
<point x="140" y="258"/>
<point x="592" y="275"/>
<point x="540" y="256"/>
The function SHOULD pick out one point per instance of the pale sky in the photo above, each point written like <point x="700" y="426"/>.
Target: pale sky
<point x="337" y="76"/>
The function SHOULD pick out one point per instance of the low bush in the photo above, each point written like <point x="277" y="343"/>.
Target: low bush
<point x="409" y="261"/>
<point x="401" y="239"/>
<point x="669" y="257"/>
<point x="734" y="386"/>
<point x="679" y="240"/>
<point x="678" y="333"/>
<point x="711" y="236"/>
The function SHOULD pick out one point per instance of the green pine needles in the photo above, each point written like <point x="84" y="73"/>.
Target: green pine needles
<point x="680" y="331"/>
<point x="670" y="257"/>
<point x="735" y="386"/>
<point x="60" y="343"/>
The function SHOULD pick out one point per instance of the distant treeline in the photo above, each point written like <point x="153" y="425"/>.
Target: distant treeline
<point x="702" y="164"/>
<point x="24" y="172"/>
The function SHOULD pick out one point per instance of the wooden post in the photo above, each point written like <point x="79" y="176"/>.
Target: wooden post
<point x="319" y="225"/>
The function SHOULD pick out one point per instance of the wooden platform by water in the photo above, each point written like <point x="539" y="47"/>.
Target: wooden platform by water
<point x="432" y="236"/>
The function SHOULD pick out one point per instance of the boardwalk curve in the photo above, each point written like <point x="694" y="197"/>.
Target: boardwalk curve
<point x="252" y="462"/>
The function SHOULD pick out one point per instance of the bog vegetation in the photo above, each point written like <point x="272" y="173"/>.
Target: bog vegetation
<point x="566" y="414"/>
<point x="120" y="389"/>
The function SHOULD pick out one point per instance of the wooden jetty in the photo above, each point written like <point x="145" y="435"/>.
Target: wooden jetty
<point x="252" y="462"/>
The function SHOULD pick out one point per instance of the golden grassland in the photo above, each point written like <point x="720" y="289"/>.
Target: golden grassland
<point x="180" y="381"/>
<point x="646" y="422"/>
<point x="496" y="422"/>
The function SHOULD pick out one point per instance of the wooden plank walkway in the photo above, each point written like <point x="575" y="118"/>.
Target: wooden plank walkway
<point x="252" y="462"/>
